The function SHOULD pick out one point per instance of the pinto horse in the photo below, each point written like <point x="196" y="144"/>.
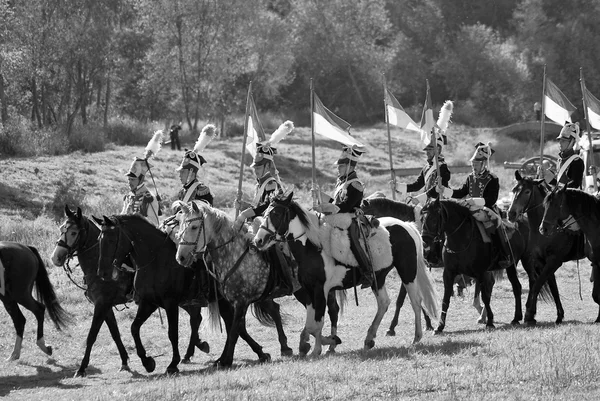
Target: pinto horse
<point x="567" y="206"/>
<point x="286" y="221"/>
<point x="243" y="275"/>
<point x="79" y="237"/>
<point x="548" y="253"/>
<point x="161" y="282"/>
<point x="23" y="269"/>
<point x="465" y="252"/>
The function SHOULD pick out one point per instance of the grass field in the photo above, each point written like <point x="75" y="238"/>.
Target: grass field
<point x="546" y="362"/>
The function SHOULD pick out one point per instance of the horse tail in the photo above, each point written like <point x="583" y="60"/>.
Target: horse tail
<point x="264" y="311"/>
<point x="342" y="299"/>
<point x="429" y="295"/>
<point x="214" y="317"/>
<point x="498" y="274"/>
<point x="45" y="293"/>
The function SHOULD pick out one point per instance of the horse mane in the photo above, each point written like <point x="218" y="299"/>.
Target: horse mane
<point x="311" y="224"/>
<point x="136" y="219"/>
<point x="456" y="207"/>
<point x="579" y="200"/>
<point x="390" y="207"/>
<point x="222" y="221"/>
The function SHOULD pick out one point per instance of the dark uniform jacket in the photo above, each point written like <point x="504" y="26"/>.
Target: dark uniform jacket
<point x="266" y="188"/>
<point x="427" y="178"/>
<point x="195" y="190"/>
<point x="348" y="193"/>
<point x="573" y="176"/>
<point x="485" y="186"/>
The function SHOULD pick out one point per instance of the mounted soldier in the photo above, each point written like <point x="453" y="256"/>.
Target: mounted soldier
<point x="571" y="168"/>
<point x="268" y="185"/>
<point x="481" y="189"/>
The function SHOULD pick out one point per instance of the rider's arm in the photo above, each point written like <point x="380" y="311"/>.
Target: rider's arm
<point x="418" y="183"/>
<point x="354" y="195"/>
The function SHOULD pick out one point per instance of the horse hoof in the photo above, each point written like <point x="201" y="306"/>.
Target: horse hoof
<point x="80" y="373"/>
<point x="149" y="364"/>
<point x="265" y="358"/>
<point x="48" y="350"/>
<point x="204" y="347"/>
<point x="330" y="352"/>
<point x="429" y="328"/>
<point x="515" y="323"/>
<point x="287" y="352"/>
<point x="438" y="331"/>
<point x="304" y="349"/>
<point x="390" y="333"/>
<point x="482" y="321"/>
<point x="13" y="357"/>
<point x="531" y="323"/>
<point x="337" y="340"/>
<point x="490" y="326"/>
<point x="369" y="344"/>
<point x="186" y="361"/>
<point x="172" y="371"/>
<point x="125" y="368"/>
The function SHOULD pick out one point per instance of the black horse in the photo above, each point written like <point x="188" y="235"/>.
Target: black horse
<point x="161" y="282"/>
<point x="465" y="252"/>
<point x="548" y="252"/>
<point x="79" y="237"/>
<point x="568" y="206"/>
<point x="23" y="269"/>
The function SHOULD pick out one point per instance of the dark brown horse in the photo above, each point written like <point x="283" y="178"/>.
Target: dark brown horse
<point x="565" y="207"/>
<point x="23" y="269"/>
<point x="548" y="252"/>
<point x="79" y="238"/>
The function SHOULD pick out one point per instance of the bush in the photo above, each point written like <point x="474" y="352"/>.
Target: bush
<point x="88" y="138"/>
<point x="68" y="192"/>
<point x="126" y="131"/>
<point x="20" y="137"/>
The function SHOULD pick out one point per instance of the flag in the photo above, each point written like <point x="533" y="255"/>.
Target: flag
<point x="556" y="105"/>
<point x="593" y="108"/>
<point x="255" y="131"/>
<point x="427" y="121"/>
<point x="396" y="114"/>
<point x="327" y="124"/>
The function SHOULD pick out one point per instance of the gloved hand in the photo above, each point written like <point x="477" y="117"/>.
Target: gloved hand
<point x="239" y="222"/>
<point x="401" y="188"/>
<point x="327" y="208"/>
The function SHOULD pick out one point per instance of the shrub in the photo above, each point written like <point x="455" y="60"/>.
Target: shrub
<point x="88" y="138"/>
<point x="68" y="192"/>
<point x="126" y="131"/>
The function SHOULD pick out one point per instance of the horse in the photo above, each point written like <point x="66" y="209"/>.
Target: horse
<point x="564" y="207"/>
<point x="465" y="252"/>
<point x="380" y="206"/>
<point x="79" y="237"/>
<point x="287" y="221"/>
<point x="244" y="275"/>
<point x="548" y="253"/>
<point x="161" y="282"/>
<point x="24" y="268"/>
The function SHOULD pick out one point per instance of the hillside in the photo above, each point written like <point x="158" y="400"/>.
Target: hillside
<point x="31" y="186"/>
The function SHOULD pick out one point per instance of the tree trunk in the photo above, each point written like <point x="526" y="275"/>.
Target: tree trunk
<point x="4" y="106"/>
<point x="357" y="90"/>
<point x="35" y="107"/>
<point x="106" y="102"/>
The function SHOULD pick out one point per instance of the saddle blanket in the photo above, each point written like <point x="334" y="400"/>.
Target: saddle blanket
<point x="2" y="280"/>
<point x="335" y="241"/>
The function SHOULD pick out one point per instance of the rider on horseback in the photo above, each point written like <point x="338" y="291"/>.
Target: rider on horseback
<point x="268" y="185"/>
<point x="570" y="164"/>
<point x="347" y="197"/>
<point x="481" y="183"/>
<point x="193" y="189"/>
<point x="140" y="200"/>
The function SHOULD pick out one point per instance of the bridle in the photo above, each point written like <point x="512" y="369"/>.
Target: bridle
<point x="201" y="233"/>
<point x="278" y="234"/>
<point x="73" y="250"/>
<point x="527" y="208"/>
<point x="438" y="236"/>
<point x="116" y="226"/>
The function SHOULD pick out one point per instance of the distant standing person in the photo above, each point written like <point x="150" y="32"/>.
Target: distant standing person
<point x="174" y="133"/>
<point x="537" y="108"/>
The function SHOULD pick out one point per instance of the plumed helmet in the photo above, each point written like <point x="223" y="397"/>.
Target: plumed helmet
<point x="441" y="140"/>
<point x="192" y="159"/>
<point x="483" y="152"/>
<point x="138" y="168"/>
<point x="570" y="130"/>
<point x="264" y="153"/>
<point x="350" y="155"/>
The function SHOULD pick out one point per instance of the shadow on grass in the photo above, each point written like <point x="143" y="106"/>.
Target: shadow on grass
<point x="44" y="377"/>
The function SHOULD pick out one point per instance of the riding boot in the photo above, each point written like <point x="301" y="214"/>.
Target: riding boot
<point x="504" y="254"/>
<point x="197" y="292"/>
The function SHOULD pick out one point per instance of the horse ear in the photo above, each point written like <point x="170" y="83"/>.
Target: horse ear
<point x="68" y="211"/>
<point x="289" y="198"/>
<point x="98" y="221"/>
<point x="78" y="213"/>
<point x="107" y="221"/>
<point x="518" y="176"/>
<point x="195" y="207"/>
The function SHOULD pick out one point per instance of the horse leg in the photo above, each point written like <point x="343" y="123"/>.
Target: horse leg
<point x="383" y="302"/>
<point x="239" y="320"/>
<point x="511" y="272"/>
<point x="487" y="284"/>
<point x="113" y="328"/>
<point x="448" y="277"/>
<point x="226" y="310"/>
<point x="19" y="322"/>
<point x="100" y="312"/>
<point x="172" y="312"/>
<point x="145" y="310"/>
<point x="333" y="309"/>
<point x="274" y="310"/>
<point x="415" y="300"/>
<point x="549" y="269"/>
<point x="481" y="311"/>
<point x="560" y="312"/>
<point x="38" y="309"/>
<point x="195" y="341"/>
<point x="314" y="325"/>
<point x="399" y="302"/>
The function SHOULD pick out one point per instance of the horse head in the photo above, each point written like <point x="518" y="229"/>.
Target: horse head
<point x="276" y="222"/>
<point x="526" y="196"/>
<point x="555" y="210"/>
<point x="193" y="236"/>
<point x="432" y="234"/>
<point x="114" y="244"/>
<point x="71" y="232"/>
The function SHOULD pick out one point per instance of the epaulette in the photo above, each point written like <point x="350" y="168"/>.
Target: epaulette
<point x="148" y="197"/>
<point x="358" y="185"/>
<point x="202" y="190"/>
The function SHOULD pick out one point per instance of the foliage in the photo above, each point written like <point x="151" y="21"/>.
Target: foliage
<point x="127" y="131"/>
<point x="68" y="192"/>
<point x="88" y="138"/>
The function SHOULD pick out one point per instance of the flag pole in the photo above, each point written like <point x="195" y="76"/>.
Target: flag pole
<point x="590" y="156"/>
<point x="543" y="121"/>
<point x="312" y="144"/>
<point x="433" y="138"/>
<point x="239" y="191"/>
<point x="389" y="138"/>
